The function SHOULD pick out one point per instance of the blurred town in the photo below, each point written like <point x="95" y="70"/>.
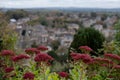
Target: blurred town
<point x="56" y="29"/>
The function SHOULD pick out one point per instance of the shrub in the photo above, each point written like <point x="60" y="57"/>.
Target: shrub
<point x="54" y="55"/>
<point x="117" y="28"/>
<point x="16" y="14"/>
<point x="8" y="36"/>
<point x="111" y="47"/>
<point x="89" y="37"/>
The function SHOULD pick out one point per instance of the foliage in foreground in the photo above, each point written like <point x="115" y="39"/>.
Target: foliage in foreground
<point x="35" y="64"/>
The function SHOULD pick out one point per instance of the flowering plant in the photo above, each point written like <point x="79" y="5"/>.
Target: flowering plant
<point x="34" y="64"/>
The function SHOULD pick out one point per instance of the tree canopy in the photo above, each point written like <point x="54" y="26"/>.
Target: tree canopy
<point x="8" y="36"/>
<point x="16" y="14"/>
<point x="117" y="28"/>
<point x="87" y="37"/>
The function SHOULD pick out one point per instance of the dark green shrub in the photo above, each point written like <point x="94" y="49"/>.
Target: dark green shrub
<point x="63" y="58"/>
<point x="117" y="34"/>
<point x="55" y="44"/>
<point x="16" y="14"/>
<point x="53" y="54"/>
<point x="89" y="37"/>
<point x="59" y="58"/>
<point x="8" y="36"/>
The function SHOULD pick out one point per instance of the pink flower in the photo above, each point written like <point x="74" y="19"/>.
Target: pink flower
<point x="63" y="74"/>
<point x="19" y="57"/>
<point x="73" y="54"/>
<point x="9" y="69"/>
<point x="42" y="48"/>
<point x="84" y="57"/>
<point x="92" y="62"/>
<point x="32" y="50"/>
<point x="86" y="48"/>
<point x="7" y="53"/>
<point x="104" y="65"/>
<point x="103" y="62"/>
<point x="43" y="57"/>
<point x="117" y="67"/>
<point x="76" y="56"/>
<point x="112" y="56"/>
<point x="28" y="76"/>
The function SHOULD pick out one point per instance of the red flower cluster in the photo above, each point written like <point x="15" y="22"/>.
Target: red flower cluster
<point x="84" y="57"/>
<point x="85" y="48"/>
<point x="32" y="50"/>
<point x="42" y="48"/>
<point x="28" y="76"/>
<point x="63" y="74"/>
<point x="112" y="56"/>
<point x="117" y="67"/>
<point x="9" y="69"/>
<point x="43" y="57"/>
<point x="73" y="54"/>
<point x="7" y="53"/>
<point x="19" y="57"/>
<point x="103" y="60"/>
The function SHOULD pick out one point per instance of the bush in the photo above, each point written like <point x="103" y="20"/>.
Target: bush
<point x="16" y="14"/>
<point x="59" y="58"/>
<point x="89" y="37"/>
<point x="117" y="28"/>
<point x="8" y="36"/>
<point x="111" y="47"/>
<point x="53" y="54"/>
<point x="55" y="44"/>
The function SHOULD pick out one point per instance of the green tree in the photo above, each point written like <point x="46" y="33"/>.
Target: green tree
<point x="8" y="36"/>
<point x="34" y="45"/>
<point x="55" y="44"/>
<point x="117" y="28"/>
<point x="87" y="36"/>
<point x="16" y="14"/>
<point x="54" y="55"/>
<point x="43" y="21"/>
<point x="3" y="20"/>
<point x="93" y="14"/>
